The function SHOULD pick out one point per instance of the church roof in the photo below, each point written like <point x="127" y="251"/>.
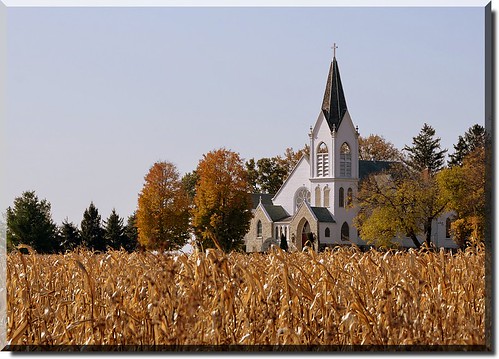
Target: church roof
<point x="265" y="198"/>
<point x="334" y="104"/>
<point x="322" y="214"/>
<point x="276" y="213"/>
<point x="368" y="167"/>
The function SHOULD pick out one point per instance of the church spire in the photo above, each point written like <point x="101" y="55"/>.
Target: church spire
<point x="334" y="104"/>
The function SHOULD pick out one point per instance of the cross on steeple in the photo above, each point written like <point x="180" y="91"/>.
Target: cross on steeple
<point x="334" y="49"/>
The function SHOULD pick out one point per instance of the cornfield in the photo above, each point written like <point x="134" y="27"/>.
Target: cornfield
<point x="337" y="298"/>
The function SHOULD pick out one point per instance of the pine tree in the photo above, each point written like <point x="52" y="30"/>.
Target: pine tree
<point x="114" y="231"/>
<point x="69" y="235"/>
<point x="425" y="153"/>
<point x="130" y="240"/>
<point x="473" y="138"/>
<point x="92" y="234"/>
<point x="30" y="222"/>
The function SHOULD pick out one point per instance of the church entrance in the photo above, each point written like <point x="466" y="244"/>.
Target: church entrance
<point x="306" y="235"/>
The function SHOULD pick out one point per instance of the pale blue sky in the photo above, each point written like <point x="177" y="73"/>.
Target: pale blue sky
<point x="96" y="96"/>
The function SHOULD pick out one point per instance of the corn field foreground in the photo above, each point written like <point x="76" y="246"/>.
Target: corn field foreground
<point x="341" y="297"/>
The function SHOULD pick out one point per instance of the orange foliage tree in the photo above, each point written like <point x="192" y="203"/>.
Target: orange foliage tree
<point x="222" y="204"/>
<point x="163" y="209"/>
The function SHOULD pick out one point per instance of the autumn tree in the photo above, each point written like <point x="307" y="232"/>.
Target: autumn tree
<point x="114" y="231"/>
<point x="376" y="148"/>
<point x="163" y="209"/>
<point x="91" y="231"/>
<point x="222" y="208"/>
<point x="30" y="222"/>
<point x="425" y="152"/>
<point x="473" y="138"/>
<point x="398" y="203"/>
<point x="290" y="158"/>
<point x="464" y="188"/>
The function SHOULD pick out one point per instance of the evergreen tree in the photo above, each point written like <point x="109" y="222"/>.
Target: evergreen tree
<point x="425" y="152"/>
<point x="30" y="222"/>
<point x="473" y="138"/>
<point x="92" y="234"/>
<point x="130" y="240"/>
<point x="189" y="181"/>
<point x="69" y="236"/>
<point x="114" y="231"/>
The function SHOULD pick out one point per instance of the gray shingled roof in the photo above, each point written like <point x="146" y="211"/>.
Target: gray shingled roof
<point x="334" y="104"/>
<point x="276" y="213"/>
<point x="266" y="199"/>
<point x="368" y="167"/>
<point x="322" y="214"/>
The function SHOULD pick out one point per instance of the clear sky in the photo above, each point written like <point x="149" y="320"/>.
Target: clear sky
<point x="96" y="95"/>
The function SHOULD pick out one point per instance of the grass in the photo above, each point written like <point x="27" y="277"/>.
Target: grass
<point x="339" y="297"/>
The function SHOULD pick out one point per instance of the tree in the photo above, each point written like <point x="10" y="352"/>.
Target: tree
<point x="425" y="152"/>
<point x="291" y="158"/>
<point x="376" y="148"/>
<point x="189" y="181"/>
<point x="114" y="231"/>
<point x="464" y="188"/>
<point x="163" y="209"/>
<point x="92" y="233"/>
<point x="222" y="208"/>
<point x="266" y="176"/>
<point x="130" y="240"/>
<point x="30" y="222"/>
<point x="69" y="234"/>
<point x="473" y="138"/>
<point x="398" y="203"/>
<point x="269" y="173"/>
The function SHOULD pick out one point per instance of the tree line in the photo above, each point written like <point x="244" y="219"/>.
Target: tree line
<point x="29" y="222"/>
<point x="213" y="204"/>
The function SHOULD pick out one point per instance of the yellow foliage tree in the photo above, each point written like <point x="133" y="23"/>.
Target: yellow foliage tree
<point x="163" y="209"/>
<point x="222" y="204"/>
<point x="398" y="203"/>
<point x="376" y="148"/>
<point x="464" y="188"/>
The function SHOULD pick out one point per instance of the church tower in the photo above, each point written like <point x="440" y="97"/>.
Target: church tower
<point x="334" y="157"/>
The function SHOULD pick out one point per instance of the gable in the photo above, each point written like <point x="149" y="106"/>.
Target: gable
<point x="299" y="177"/>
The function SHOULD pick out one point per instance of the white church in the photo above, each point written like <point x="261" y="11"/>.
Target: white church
<point x="314" y="205"/>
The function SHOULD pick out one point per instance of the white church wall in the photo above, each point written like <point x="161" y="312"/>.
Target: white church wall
<point x="299" y="177"/>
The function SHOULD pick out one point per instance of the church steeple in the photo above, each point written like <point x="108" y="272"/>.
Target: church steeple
<point x="334" y="104"/>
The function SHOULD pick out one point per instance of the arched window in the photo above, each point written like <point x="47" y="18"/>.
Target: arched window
<point x="349" y="197"/>
<point x="301" y="196"/>
<point x="326" y="196"/>
<point x="327" y="234"/>
<point x="317" y="196"/>
<point x="345" y="232"/>
<point x="341" y="197"/>
<point x="447" y="227"/>
<point x="345" y="160"/>
<point x="322" y="160"/>
<point x="259" y="229"/>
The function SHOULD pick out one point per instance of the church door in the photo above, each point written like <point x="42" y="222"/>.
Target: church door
<point x="306" y="235"/>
